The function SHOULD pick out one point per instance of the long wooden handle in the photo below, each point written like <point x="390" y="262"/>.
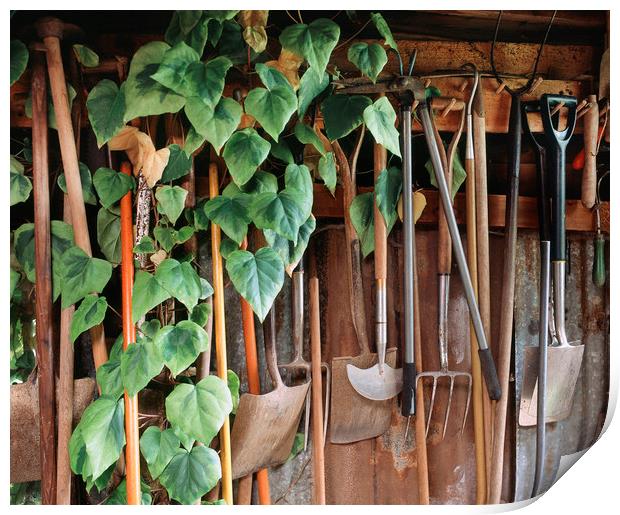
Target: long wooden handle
<point x="220" y="337"/>
<point x="43" y="284"/>
<point x="318" y="454"/>
<point x="380" y="163"/>
<point x="72" y="171"/>
<point x="590" y="133"/>
<point x="132" y="431"/>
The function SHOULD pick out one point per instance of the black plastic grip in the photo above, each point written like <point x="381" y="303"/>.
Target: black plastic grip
<point x="408" y="393"/>
<point x="490" y="374"/>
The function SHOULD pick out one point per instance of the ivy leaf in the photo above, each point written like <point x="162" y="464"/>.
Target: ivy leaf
<point x="200" y="314"/>
<point x="233" y="385"/>
<point x="180" y="280"/>
<point x="111" y="185"/>
<point x="158" y="448"/>
<point x="289" y="253"/>
<point x="327" y="171"/>
<point x="206" y="80"/>
<point x="243" y="154"/>
<point x="51" y="113"/>
<point x="106" y="110"/>
<point x="361" y="212"/>
<point x="19" y="59"/>
<point x="384" y="30"/>
<point x="21" y="186"/>
<point x="281" y="151"/>
<point x="207" y="289"/>
<point x="311" y="86"/>
<point x="221" y="15"/>
<point x="14" y="280"/>
<point x="171" y="201"/>
<point x="307" y="136"/>
<point x="191" y="474"/>
<point x="186" y="441"/>
<point x="90" y="313"/>
<point x="172" y="72"/>
<point x="81" y="275"/>
<point x="85" y="56"/>
<point x="297" y="447"/>
<point x="297" y="179"/>
<point x="147" y="293"/>
<point x="145" y="246"/>
<point x="150" y="328"/>
<point x="188" y="20"/>
<point x="103" y="432"/>
<point x="281" y="212"/>
<point x="195" y="38"/>
<point x="232" y="45"/>
<point x="259" y="183"/>
<point x="179" y="164"/>
<point x="109" y="235"/>
<point x="388" y="188"/>
<point x="227" y="247"/>
<point x="140" y="363"/>
<point x="109" y="378"/>
<point x="87" y="184"/>
<point x="369" y="59"/>
<point x="167" y="237"/>
<point x="216" y="124"/>
<point x="271" y="107"/>
<point x="180" y="345"/>
<point x="254" y="34"/>
<point x="145" y="96"/>
<point x="199" y="410"/>
<point x="458" y="174"/>
<point x="315" y="42"/>
<point x="119" y="496"/>
<point x="231" y="214"/>
<point x="257" y="277"/>
<point x="193" y="141"/>
<point x="343" y="114"/>
<point x="272" y="77"/>
<point x="380" y="118"/>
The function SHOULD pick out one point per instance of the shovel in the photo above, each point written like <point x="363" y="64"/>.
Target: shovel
<point x="379" y="382"/>
<point x="265" y="425"/>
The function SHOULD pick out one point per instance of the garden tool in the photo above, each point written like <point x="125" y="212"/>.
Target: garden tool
<point x="354" y="417"/>
<point x="379" y="382"/>
<point x="43" y="283"/>
<point x="220" y="338"/>
<point x="298" y="362"/>
<point x="590" y="137"/>
<point x="509" y="271"/>
<point x="265" y="425"/>
<point x="599" y="270"/>
<point x="318" y="431"/>
<point x="51" y="30"/>
<point x="132" y="432"/>
<point x="563" y="360"/>
<point x="444" y="265"/>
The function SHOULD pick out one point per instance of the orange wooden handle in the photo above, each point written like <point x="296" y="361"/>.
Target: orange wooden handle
<point x="132" y="431"/>
<point x="588" y="176"/>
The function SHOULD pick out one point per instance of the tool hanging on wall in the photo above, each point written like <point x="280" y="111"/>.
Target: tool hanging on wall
<point x="509" y="271"/>
<point x="590" y="145"/>
<point x="265" y="425"/>
<point x="599" y="270"/>
<point x="444" y="265"/>
<point x="381" y="381"/>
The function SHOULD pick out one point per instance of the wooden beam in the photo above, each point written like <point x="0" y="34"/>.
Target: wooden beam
<point x="578" y="218"/>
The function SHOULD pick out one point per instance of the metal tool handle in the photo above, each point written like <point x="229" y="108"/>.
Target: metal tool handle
<point x="409" y="372"/>
<point x="380" y="163"/>
<point x="556" y="147"/>
<point x="543" y="341"/>
<point x="298" y="313"/>
<point x="486" y="359"/>
<point x="269" y="335"/>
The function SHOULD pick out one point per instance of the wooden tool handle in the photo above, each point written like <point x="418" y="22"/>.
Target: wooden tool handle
<point x="269" y="334"/>
<point x="380" y="164"/>
<point x="318" y="455"/>
<point x="590" y="133"/>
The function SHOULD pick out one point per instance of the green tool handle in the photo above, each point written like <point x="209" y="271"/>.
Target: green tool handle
<point x="598" y="269"/>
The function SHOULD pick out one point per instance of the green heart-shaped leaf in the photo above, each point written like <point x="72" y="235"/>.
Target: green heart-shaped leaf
<point x="188" y="20"/>
<point x="109" y="377"/>
<point x="259" y="183"/>
<point x="243" y="154"/>
<point x="190" y="475"/>
<point x="90" y="313"/>
<point x="289" y="253"/>
<point x="233" y="385"/>
<point x="458" y="173"/>
<point x="81" y="275"/>
<point x="272" y="108"/>
<point x="361" y="212"/>
<point x="178" y="165"/>
<point x="270" y="77"/>
<point x="380" y="119"/>
<point x="327" y="171"/>
<point x="180" y="345"/>
<point x="85" y="56"/>
<point x="147" y="293"/>
<point x="180" y="280"/>
<point x="215" y="124"/>
<point x="111" y="185"/>
<point x="150" y="328"/>
<point x="171" y="201"/>
<point x="310" y="87"/>
<point x="201" y="313"/>
<point x="281" y="212"/>
<point x="195" y="38"/>
<point x="199" y="410"/>
<point x="369" y="59"/>
<point x="384" y="30"/>
<point x="173" y="69"/>
<point x="19" y="60"/>
<point x="307" y="136"/>
<point x="281" y="151"/>
<point x="158" y="448"/>
<point x="145" y="96"/>
<point x="119" y="495"/>
<point x="140" y="363"/>
<point x="298" y="180"/>
<point x="21" y="186"/>
<point x="231" y="214"/>
<point x="315" y="42"/>
<point x="257" y="277"/>
<point x="388" y="188"/>
<point x="206" y="80"/>
<point x="106" y="110"/>
<point x="87" y="184"/>
<point x="343" y="114"/>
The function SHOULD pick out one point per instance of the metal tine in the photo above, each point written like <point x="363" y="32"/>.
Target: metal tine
<point x="430" y="408"/>
<point x="328" y="383"/>
<point x="307" y="419"/>
<point x="445" y="420"/>
<point x="469" y="388"/>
